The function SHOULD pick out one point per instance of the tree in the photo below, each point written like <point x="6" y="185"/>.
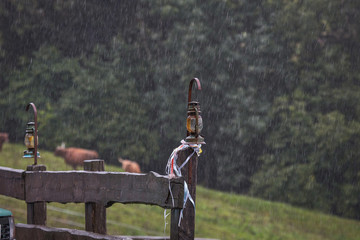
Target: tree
<point x="103" y="109"/>
<point x="43" y="80"/>
<point x="311" y="140"/>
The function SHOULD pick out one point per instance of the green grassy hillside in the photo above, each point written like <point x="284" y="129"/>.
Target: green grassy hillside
<point x="218" y="215"/>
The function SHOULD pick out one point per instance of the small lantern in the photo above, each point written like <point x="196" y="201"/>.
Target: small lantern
<point x="31" y="137"/>
<point x="194" y="123"/>
<point x="29" y="140"/>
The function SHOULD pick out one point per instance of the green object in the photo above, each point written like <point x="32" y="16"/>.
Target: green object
<point x="7" y="225"/>
<point x="5" y="213"/>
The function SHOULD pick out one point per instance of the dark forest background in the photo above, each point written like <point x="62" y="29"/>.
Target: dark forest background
<point x="280" y="79"/>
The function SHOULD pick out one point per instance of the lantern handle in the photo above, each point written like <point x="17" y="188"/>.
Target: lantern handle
<point x="190" y="87"/>
<point x="35" y="134"/>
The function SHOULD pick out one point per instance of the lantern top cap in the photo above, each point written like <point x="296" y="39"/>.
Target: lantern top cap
<point x="193" y="103"/>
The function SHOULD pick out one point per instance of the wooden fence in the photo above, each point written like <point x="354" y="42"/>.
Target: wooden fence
<point x="98" y="190"/>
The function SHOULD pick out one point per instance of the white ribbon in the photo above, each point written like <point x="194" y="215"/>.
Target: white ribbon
<point x="176" y="170"/>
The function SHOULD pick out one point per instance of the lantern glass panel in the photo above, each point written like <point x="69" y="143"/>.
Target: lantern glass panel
<point x="29" y="140"/>
<point x="191" y="122"/>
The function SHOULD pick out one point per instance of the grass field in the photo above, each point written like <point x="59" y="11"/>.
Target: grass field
<point x="218" y="215"/>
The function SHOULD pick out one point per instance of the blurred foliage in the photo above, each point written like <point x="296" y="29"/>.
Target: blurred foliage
<point x="280" y="87"/>
<point x="312" y="140"/>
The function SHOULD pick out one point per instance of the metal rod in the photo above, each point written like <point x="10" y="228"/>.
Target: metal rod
<point x="35" y="135"/>
<point x="190" y="87"/>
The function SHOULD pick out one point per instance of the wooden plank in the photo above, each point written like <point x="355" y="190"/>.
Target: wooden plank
<point x="12" y="183"/>
<point x="174" y="228"/>
<point x="103" y="187"/>
<point x="36" y="212"/>
<point x="95" y="214"/>
<point x="27" y="231"/>
<point x="144" y="238"/>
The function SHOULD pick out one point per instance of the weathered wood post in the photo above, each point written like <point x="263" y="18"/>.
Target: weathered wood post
<point x="36" y="212"/>
<point x="95" y="213"/>
<point x="187" y="226"/>
<point x="194" y="125"/>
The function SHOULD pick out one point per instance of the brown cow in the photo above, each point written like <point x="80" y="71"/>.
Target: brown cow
<point x="129" y="166"/>
<point x="75" y="156"/>
<point x="4" y="137"/>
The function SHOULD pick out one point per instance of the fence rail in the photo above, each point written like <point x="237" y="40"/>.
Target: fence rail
<point x="12" y="183"/>
<point x="103" y="187"/>
<point x="28" y="231"/>
<point x="98" y="190"/>
<point x="86" y="186"/>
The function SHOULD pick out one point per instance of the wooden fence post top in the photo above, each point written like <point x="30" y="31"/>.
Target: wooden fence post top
<point x="36" y="212"/>
<point x="94" y="165"/>
<point x="36" y="168"/>
<point x="186" y="230"/>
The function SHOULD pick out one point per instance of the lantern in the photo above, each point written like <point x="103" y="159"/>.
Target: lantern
<point x="31" y="138"/>
<point x="194" y="123"/>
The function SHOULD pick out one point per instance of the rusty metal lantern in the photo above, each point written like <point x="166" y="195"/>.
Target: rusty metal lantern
<point x="31" y="137"/>
<point x="194" y="123"/>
